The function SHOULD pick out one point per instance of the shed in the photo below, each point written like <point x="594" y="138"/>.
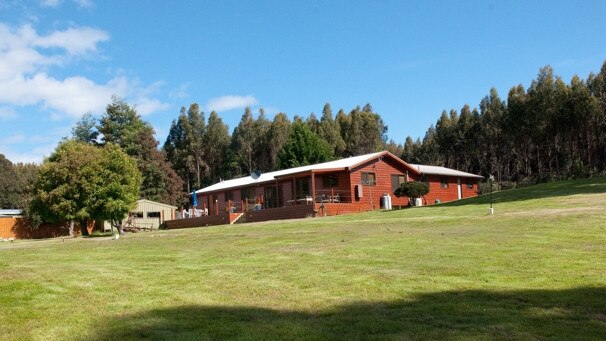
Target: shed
<point x="147" y="215"/>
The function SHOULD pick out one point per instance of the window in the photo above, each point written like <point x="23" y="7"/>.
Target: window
<point x="424" y="179"/>
<point x="469" y="184"/>
<point x="369" y="179"/>
<point x="247" y="193"/>
<point x="303" y="187"/>
<point x="153" y="214"/>
<point x="396" y="181"/>
<point x="444" y="182"/>
<point x="331" y="180"/>
<point x="136" y="214"/>
<point x="229" y="195"/>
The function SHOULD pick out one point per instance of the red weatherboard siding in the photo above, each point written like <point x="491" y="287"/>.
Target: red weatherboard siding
<point x="383" y="170"/>
<point x="436" y="192"/>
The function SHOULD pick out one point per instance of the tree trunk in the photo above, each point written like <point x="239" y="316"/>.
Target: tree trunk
<point x="71" y="228"/>
<point x="84" y="228"/>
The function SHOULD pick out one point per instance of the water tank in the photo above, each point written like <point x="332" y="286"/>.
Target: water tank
<point x="386" y="201"/>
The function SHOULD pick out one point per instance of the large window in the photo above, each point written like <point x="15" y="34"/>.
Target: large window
<point x="444" y="182"/>
<point x="369" y="179"/>
<point x="303" y="187"/>
<point x="425" y="179"/>
<point x="396" y="181"/>
<point x="154" y="214"/>
<point x="330" y="181"/>
<point x="247" y="193"/>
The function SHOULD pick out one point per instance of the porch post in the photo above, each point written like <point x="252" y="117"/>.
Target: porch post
<point x="313" y="190"/>
<point x="294" y="190"/>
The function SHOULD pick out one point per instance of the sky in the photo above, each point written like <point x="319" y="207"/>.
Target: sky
<point x="60" y="59"/>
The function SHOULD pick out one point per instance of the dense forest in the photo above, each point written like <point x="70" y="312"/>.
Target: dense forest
<point x="550" y="130"/>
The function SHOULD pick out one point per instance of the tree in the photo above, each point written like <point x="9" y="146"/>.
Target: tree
<point x="242" y="146"/>
<point x="330" y="131"/>
<point x="413" y="190"/>
<point x="120" y="189"/>
<point x="215" y="144"/>
<point x="303" y="148"/>
<point x="366" y="131"/>
<point x="9" y="185"/>
<point x="80" y="182"/>
<point x="262" y="142"/>
<point x="278" y="135"/>
<point x="85" y="129"/>
<point x="184" y="147"/>
<point x="120" y="124"/>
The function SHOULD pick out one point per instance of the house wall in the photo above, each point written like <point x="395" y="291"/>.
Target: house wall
<point x="342" y="188"/>
<point x="290" y="212"/>
<point x="371" y="196"/>
<point x="436" y="192"/>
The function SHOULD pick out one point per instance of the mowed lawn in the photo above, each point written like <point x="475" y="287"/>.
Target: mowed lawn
<point x="534" y="270"/>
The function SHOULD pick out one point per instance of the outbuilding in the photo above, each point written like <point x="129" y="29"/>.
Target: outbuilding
<point x="147" y="215"/>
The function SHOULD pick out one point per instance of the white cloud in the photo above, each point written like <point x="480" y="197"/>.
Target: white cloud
<point x="13" y="139"/>
<point x="180" y="92"/>
<point x="50" y="3"/>
<point x="56" y="3"/>
<point x="25" y="57"/>
<point x="146" y="106"/>
<point x="7" y="114"/>
<point x="75" y="41"/>
<point x="225" y="103"/>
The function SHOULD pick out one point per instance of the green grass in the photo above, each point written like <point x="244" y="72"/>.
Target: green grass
<point x="534" y="270"/>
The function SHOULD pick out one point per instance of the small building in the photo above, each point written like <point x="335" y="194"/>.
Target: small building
<point x="349" y="185"/>
<point x="10" y="213"/>
<point x="147" y="215"/>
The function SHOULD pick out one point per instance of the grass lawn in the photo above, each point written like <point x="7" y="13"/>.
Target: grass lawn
<point x="534" y="270"/>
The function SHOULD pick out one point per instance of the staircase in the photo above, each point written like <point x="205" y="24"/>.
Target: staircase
<point x="235" y="220"/>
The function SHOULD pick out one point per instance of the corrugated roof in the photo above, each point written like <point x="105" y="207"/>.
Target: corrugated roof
<point x="266" y="177"/>
<point x="156" y="203"/>
<point x="437" y="170"/>
<point x="10" y="212"/>
<point x="337" y="164"/>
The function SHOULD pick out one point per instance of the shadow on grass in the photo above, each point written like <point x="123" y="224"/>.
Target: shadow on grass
<point x="578" y="313"/>
<point x="546" y="190"/>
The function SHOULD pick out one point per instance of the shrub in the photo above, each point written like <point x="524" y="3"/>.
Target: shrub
<point x="412" y="189"/>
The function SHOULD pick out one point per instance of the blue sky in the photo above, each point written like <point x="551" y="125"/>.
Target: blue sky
<point x="62" y="58"/>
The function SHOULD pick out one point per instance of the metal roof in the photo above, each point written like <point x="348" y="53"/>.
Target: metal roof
<point x="437" y="170"/>
<point x="271" y="176"/>
<point x="343" y="164"/>
<point x="10" y="212"/>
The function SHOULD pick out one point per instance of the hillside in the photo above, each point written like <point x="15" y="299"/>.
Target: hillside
<point x="536" y="269"/>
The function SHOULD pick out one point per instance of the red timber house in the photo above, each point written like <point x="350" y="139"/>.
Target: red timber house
<point x="350" y="185"/>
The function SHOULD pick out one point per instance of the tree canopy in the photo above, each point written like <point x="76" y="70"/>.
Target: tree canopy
<point x="303" y="147"/>
<point x="79" y="182"/>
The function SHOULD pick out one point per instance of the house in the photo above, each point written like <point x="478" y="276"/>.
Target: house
<point x="146" y="215"/>
<point x="349" y="185"/>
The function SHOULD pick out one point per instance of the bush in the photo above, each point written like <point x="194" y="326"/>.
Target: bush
<point x="412" y="189"/>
